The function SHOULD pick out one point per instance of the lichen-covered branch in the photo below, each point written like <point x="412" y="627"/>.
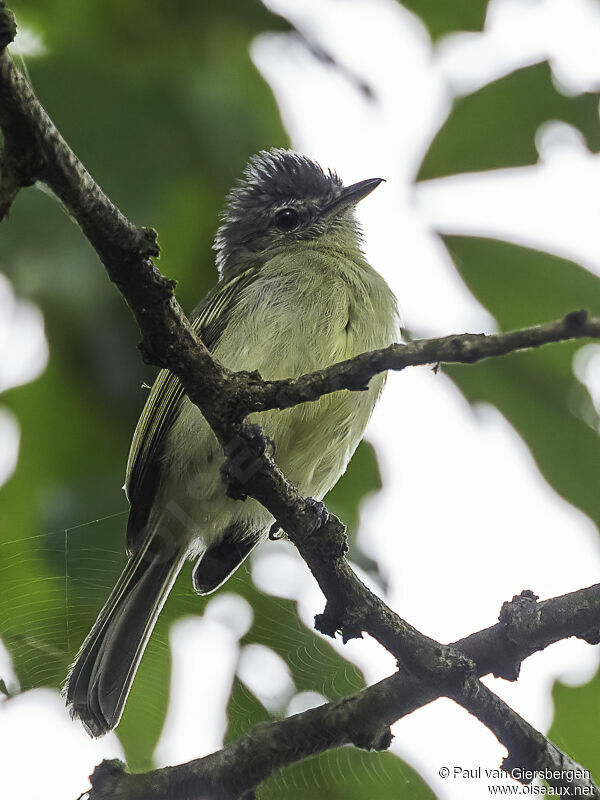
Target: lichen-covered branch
<point x="34" y="150"/>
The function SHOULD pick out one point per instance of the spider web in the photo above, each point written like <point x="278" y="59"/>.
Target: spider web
<point x="53" y="586"/>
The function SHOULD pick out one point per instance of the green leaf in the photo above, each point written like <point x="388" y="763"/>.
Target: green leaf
<point x="521" y="286"/>
<point x="442" y="17"/>
<point x="347" y="774"/>
<point x="496" y="126"/>
<point x="243" y="711"/>
<point x="535" y="390"/>
<point x="314" y="664"/>
<point x="149" y="700"/>
<point x="56" y="480"/>
<point x="361" y="479"/>
<point x="575" y="726"/>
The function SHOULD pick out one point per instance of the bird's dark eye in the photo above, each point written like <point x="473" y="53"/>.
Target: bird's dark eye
<point x="286" y="219"/>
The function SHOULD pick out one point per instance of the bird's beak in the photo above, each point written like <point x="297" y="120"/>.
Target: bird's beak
<point x="351" y="195"/>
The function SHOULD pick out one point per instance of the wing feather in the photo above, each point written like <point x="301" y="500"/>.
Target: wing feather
<point x="144" y="465"/>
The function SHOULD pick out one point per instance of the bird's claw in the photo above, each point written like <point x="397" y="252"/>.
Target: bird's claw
<point x="321" y="513"/>
<point x="276" y="532"/>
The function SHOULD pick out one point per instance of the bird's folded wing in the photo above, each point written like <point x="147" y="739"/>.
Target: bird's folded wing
<point x="209" y="319"/>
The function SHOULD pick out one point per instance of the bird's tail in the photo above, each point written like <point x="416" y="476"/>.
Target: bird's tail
<point x="99" y="681"/>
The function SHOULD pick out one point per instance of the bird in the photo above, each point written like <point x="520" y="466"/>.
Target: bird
<point x="295" y="294"/>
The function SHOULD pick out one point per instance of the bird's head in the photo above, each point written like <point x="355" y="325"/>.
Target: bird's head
<point x="282" y="199"/>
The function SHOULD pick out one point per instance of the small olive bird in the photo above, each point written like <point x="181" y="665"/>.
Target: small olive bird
<point x="295" y="294"/>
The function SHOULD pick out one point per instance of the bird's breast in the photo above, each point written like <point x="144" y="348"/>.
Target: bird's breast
<point x="298" y="318"/>
<point x="306" y="312"/>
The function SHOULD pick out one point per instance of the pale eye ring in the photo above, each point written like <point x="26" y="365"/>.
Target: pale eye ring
<point x="287" y="219"/>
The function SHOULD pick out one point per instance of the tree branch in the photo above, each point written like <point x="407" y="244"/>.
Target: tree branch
<point x="466" y="348"/>
<point x="34" y="149"/>
<point x="525" y="627"/>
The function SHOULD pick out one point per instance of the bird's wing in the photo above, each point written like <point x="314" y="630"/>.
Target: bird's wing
<point x="144" y="465"/>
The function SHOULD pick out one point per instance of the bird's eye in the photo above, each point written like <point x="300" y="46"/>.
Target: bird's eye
<point x="286" y="219"/>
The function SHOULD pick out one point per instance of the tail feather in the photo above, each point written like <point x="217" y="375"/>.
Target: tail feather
<point x="100" y="679"/>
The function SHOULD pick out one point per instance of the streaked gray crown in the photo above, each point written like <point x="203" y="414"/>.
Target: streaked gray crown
<point x="273" y="180"/>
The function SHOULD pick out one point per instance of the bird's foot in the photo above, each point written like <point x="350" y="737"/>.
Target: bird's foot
<point x="321" y="514"/>
<point x="244" y="458"/>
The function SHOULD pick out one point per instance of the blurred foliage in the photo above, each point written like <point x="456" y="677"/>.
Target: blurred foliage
<point x="442" y="17"/>
<point x="536" y="390"/>
<point x="373" y="775"/>
<point x="348" y="774"/>
<point x="540" y="396"/>
<point x="163" y="104"/>
<point x="361" y="479"/>
<point x="496" y="126"/>
<point x="575" y="727"/>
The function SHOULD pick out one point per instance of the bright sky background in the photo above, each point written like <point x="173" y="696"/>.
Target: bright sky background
<point x="441" y="524"/>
